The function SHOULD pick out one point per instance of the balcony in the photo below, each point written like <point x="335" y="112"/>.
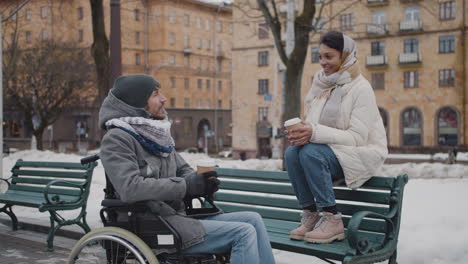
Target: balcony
<point x="220" y="55"/>
<point x="377" y="29"/>
<point x="187" y="51"/>
<point x="410" y="58"/>
<point x="410" y="25"/>
<point x="376" y="61"/>
<point x="377" y="2"/>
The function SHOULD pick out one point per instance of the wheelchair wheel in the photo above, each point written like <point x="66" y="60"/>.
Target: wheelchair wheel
<point x="111" y="245"/>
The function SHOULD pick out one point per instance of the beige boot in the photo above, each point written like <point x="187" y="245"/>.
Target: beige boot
<point x="328" y="229"/>
<point x="308" y="221"/>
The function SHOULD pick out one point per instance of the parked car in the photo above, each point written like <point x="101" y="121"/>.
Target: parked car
<point x="190" y="150"/>
<point x="225" y="153"/>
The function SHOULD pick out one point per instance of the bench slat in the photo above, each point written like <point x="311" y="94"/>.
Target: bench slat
<point x="43" y="164"/>
<point x="41" y="189"/>
<point x="55" y="174"/>
<point x="39" y="181"/>
<point x="282" y="202"/>
<point x="260" y="187"/>
<point x="362" y="196"/>
<point x="280" y="176"/>
<point x="29" y="200"/>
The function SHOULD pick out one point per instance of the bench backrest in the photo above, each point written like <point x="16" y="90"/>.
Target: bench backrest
<point x="33" y="177"/>
<point x="271" y="194"/>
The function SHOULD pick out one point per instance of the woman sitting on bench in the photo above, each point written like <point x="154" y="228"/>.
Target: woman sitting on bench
<point x="343" y="137"/>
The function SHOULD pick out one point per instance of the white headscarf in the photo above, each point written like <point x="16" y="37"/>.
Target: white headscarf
<point x="329" y="87"/>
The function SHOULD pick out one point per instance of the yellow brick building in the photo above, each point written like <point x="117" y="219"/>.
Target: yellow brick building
<point x="412" y="52"/>
<point x="185" y="44"/>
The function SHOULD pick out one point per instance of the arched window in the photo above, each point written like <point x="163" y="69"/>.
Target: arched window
<point x="384" y="116"/>
<point x="447" y="125"/>
<point x="412" y="127"/>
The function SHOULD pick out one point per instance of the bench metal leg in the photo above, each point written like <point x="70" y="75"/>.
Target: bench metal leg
<point x="9" y="211"/>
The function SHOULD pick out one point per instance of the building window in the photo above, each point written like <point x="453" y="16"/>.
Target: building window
<point x="172" y="102"/>
<point x="137" y="37"/>
<point x="208" y="103"/>
<point x="137" y="59"/>
<point x="208" y="85"/>
<point x="447" y="44"/>
<point x="318" y="24"/>
<point x="199" y="43"/>
<point x="411" y="79"/>
<point x="199" y="84"/>
<point x="412" y="13"/>
<point x="172" y="82"/>
<point x="447" y="10"/>
<point x="186" y="61"/>
<point x="263" y="86"/>
<point x="447" y="78"/>
<point x="378" y="80"/>
<point x="207" y="25"/>
<point x="199" y="103"/>
<point x="172" y="60"/>
<point x="208" y="44"/>
<point x="186" y="42"/>
<point x="346" y="22"/>
<point x="220" y="103"/>
<point x="187" y="126"/>
<point x="410" y="45"/>
<point x="262" y="113"/>
<point x="80" y="13"/>
<point x="377" y="48"/>
<point x="199" y="64"/>
<point x="43" y="12"/>
<point x="220" y="85"/>
<point x="172" y="17"/>
<point x="447" y="126"/>
<point x="263" y="58"/>
<point x="186" y="102"/>
<point x="263" y="31"/>
<point x="315" y="56"/>
<point x="80" y="35"/>
<point x="137" y="14"/>
<point x="28" y="36"/>
<point x="219" y="26"/>
<point x="198" y="22"/>
<point x="187" y="20"/>
<point x="412" y="124"/>
<point x="186" y="83"/>
<point x="171" y="38"/>
<point x="379" y="17"/>
<point x="207" y="64"/>
<point x="44" y="34"/>
<point x="28" y="14"/>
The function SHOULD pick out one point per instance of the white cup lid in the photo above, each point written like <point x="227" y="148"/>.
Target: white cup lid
<point x="206" y="163"/>
<point x="292" y="121"/>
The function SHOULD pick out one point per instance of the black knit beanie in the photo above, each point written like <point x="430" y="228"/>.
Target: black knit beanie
<point x="135" y="89"/>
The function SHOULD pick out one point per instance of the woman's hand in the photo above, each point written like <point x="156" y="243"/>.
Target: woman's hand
<point x="300" y="136"/>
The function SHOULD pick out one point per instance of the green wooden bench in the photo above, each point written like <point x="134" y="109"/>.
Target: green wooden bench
<point x="371" y="214"/>
<point x="52" y="187"/>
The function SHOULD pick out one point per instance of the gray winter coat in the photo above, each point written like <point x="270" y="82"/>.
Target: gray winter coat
<point x="138" y="175"/>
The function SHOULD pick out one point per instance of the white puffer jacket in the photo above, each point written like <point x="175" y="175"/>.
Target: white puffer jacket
<point x="359" y="141"/>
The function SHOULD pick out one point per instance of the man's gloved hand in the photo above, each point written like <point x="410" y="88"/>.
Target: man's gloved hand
<point x="199" y="185"/>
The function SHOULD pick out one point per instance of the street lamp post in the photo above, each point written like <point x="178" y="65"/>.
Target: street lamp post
<point x="1" y="100"/>
<point x="115" y="42"/>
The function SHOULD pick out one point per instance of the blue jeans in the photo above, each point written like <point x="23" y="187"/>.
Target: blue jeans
<point x="241" y="233"/>
<point x="312" y="168"/>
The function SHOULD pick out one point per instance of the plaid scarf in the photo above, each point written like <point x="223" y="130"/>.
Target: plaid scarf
<point x="153" y="135"/>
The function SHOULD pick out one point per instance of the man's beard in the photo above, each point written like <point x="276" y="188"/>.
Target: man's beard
<point x="158" y="117"/>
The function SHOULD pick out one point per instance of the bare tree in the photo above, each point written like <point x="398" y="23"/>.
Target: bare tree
<point x="50" y="77"/>
<point x="100" y="49"/>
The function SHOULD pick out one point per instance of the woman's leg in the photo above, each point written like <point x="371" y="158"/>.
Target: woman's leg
<point x="298" y="176"/>
<point x="320" y="167"/>
<point x="242" y="233"/>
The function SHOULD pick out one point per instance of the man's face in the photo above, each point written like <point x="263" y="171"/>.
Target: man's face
<point x="155" y="105"/>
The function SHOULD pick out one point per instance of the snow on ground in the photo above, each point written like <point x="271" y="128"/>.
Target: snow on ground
<point x="434" y="227"/>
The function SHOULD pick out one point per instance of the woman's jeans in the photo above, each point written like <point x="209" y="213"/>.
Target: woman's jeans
<point x="312" y="168"/>
<point x="241" y="233"/>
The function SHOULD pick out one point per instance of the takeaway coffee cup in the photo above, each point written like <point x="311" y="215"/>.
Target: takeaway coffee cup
<point x="293" y="123"/>
<point x="205" y="166"/>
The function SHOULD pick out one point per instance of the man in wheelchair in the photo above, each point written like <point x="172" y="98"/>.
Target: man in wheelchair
<point x="138" y="155"/>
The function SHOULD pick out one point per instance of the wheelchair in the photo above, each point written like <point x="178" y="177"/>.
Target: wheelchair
<point x="131" y="234"/>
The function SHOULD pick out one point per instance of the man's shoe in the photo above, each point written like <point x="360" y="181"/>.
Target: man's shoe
<point x="308" y="222"/>
<point x="328" y="229"/>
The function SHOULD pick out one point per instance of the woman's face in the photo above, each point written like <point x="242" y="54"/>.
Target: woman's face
<point x="330" y="59"/>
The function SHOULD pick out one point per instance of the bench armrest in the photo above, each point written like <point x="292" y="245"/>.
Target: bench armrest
<point x="6" y="180"/>
<point x="56" y="198"/>
<point x="361" y="245"/>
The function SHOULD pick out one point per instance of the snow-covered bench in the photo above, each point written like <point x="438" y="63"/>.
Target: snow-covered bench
<point x="52" y="187"/>
<point x="372" y="214"/>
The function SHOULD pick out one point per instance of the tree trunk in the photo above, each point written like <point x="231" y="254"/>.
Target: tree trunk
<point x="38" y="134"/>
<point x="100" y="49"/>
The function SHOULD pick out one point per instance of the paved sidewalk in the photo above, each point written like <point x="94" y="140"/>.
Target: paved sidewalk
<point x="27" y="247"/>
